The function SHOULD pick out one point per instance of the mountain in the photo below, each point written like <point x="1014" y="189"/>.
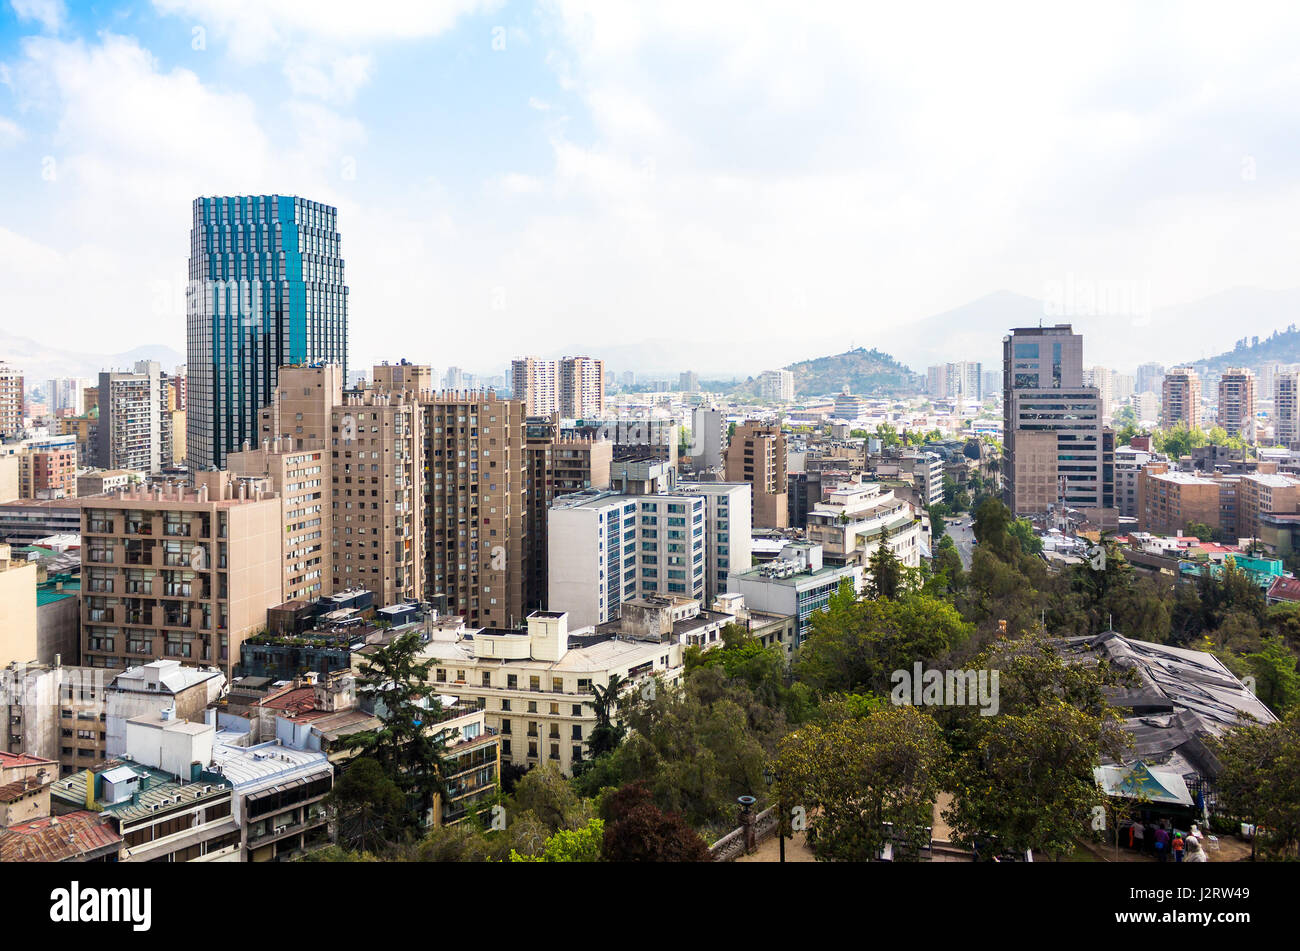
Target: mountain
<point x="1282" y="346"/>
<point x="866" y="372"/>
<point x="1131" y="334"/>
<point x="39" y="362"/>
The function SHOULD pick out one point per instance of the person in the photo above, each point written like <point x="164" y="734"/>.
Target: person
<point x="1178" y="847"/>
<point x="1162" y="844"/>
<point x="1195" y="852"/>
<point x="1139" y="834"/>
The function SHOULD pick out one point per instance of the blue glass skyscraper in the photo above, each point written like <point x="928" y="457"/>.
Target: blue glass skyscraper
<point x="265" y="290"/>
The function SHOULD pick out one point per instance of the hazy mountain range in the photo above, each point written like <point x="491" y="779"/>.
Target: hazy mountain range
<point x="1120" y="331"/>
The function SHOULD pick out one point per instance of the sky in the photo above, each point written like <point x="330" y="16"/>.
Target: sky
<point x="736" y="184"/>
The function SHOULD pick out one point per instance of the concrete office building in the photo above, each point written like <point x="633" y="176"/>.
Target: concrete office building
<point x="1181" y="398"/>
<point x="1057" y="448"/>
<point x="1237" y="402"/>
<point x="757" y="455"/>
<point x="266" y="290"/>
<point x="179" y="573"/>
<point x="795" y="584"/>
<point x="854" y="520"/>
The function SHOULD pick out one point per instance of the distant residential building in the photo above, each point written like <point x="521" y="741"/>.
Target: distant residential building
<point x="776" y="386"/>
<point x="48" y="470"/>
<point x="955" y="381"/>
<point x="708" y="437"/>
<point x="856" y="518"/>
<point x="1168" y="500"/>
<point x="728" y="538"/>
<point x="12" y="401"/>
<point x="849" y="406"/>
<point x="689" y="382"/>
<point x="1181" y="398"/>
<point x="1149" y="378"/>
<point x="1237" y="402"/>
<point x="130" y="428"/>
<point x="1286" y="407"/>
<point x="101" y="481"/>
<point x="18" y="642"/>
<point x="757" y="455"/>
<point x="1128" y="464"/>
<point x="796" y="584"/>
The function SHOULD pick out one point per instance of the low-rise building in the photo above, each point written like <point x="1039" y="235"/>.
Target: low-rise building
<point x="795" y="585"/>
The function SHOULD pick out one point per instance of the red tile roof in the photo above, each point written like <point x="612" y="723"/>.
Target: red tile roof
<point x="56" y="838"/>
<point x="11" y="760"/>
<point x="16" y="790"/>
<point x="1285" y="589"/>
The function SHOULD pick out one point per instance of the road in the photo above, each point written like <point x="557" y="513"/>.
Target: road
<point x="963" y="536"/>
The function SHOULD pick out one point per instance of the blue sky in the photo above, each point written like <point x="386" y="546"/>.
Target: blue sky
<point x="743" y="183"/>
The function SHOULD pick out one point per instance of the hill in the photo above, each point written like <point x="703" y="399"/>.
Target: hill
<point x="1282" y="346"/>
<point x="867" y="372"/>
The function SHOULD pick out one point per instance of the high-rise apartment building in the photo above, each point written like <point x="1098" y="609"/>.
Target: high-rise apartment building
<point x="129" y="434"/>
<point x="963" y="380"/>
<point x="559" y="464"/>
<point x="11" y="401"/>
<point x="1237" y="402"/>
<point x="301" y="408"/>
<point x="708" y="437"/>
<point x="1181" y="398"/>
<point x="1102" y="379"/>
<point x="475" y="470"/>
<point x="776" y="386"/>
<point x="376" y="497"/>
<point x="179" y="573"/>
<point x="266" y="290"/>
<point x="728" y="535"/>
<point x="581" y="387"/>
<point x="1286" y="407"/>
<point x="536" y="383"/>
<point x="1057" y="448"/>
<point x="67" y="396"/>
<point x="1149" y="377"/>
<point x="757" y="455"/>
<point x="688" y="382"/>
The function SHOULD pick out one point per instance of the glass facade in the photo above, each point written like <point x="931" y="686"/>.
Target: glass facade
<point x="265" y="290"/>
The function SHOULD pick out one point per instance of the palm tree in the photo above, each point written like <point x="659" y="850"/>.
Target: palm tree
<point x="606" y="734"/>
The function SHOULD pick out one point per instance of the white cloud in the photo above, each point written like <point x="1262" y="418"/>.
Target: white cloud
<point x="49" y="13"/>
<point x="10" y="133"/>
<point x="335" y="81"/>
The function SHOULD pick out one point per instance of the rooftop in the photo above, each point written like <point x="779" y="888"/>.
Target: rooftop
<point x="56" y="838"/>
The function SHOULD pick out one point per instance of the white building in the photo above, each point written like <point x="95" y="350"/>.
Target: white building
<point x="728" y="525"/>
<point x="708" y="437"/>
<point x="777" y="386"/>
<point x="850" y="524"/>
<point x="795" y="585"/>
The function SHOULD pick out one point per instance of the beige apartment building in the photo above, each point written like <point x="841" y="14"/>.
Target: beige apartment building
<point x="1181" y="398"/>
<point x="535" y="688"/>
<point x="573" y="387"/>
<point x="757" y="455"/>
<point x="11" y="400"/>
<point x="18" y="643"/>
<point x="1261" y="494"/>
<point x="558" y="465"/>
<point x="412" y="377"/>
<point x="179" y="573"/>
<point x="376" y="504"/>
<point x="1237" y="402"/>
<point x="301" y="479"/>
<point x="1169" y="500"/>
<point x="305" y="397"/>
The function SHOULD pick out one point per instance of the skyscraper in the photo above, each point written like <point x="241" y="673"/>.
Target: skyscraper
<point x="1057" y="447"/>
<point x="265" y="291"/>
<point x="1181" y="398"/>
<point x="1237" y="402"/>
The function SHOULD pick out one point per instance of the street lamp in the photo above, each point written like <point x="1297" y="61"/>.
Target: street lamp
<point x="771" y="776"/>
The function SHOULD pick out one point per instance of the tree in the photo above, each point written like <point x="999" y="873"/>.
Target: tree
<point x="369" y="810"/>
<point x="1260" y="778"/>
<point x="606" y="734"/>
<point x="636" y="830"/>
<point x="884" y="570"/>
<point x="405" y="744"/>
<point x="546" y="793"/>
<point x="570" y="845"/>
<point x="855" y="645"/>
<point x="856" y="778"/>
<point x="1276" y="682"/>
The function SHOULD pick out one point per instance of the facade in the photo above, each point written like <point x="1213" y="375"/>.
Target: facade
<point x="856" y="518"/>
<point x="300" y="415"/>
<point x="55" y="712"/>
<point x="129" y="434"/>
<point x="1181" y="398"/>
<point x="266" y="290"/>
<point x="1149" y="378"/>
<point x="1286" y="407"/>
<point x="776" y="386"/>
<point x="1168" y="501"/>
<point x="573" y="387"/>
<point x="18" y="640"/>
<point x="376" y="499"/>
<point x="535" y="688"/>
<point x="179" y="573"/>
<point x="475" y="470"/>
<point x="101" y="481"/>
<point x="794" y="585"/>
<point x="302" y="480"/>
<point x="1237" y="402"/>
<point x="963" y="380"/>
<point x="12" y="401"/>
<point x="1260" y="494"/>
<point x="728" y="532"/>
<point x="26" y="521"/>
<point x="1057" y="448"/>
<point x="536" y="383"/>
<point x="1128" y="464"/>
<point x="708" y="437"/>
<point x="757" y="455"/>
<point x="150" y="689"/>
<point x="49" y="472"/>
